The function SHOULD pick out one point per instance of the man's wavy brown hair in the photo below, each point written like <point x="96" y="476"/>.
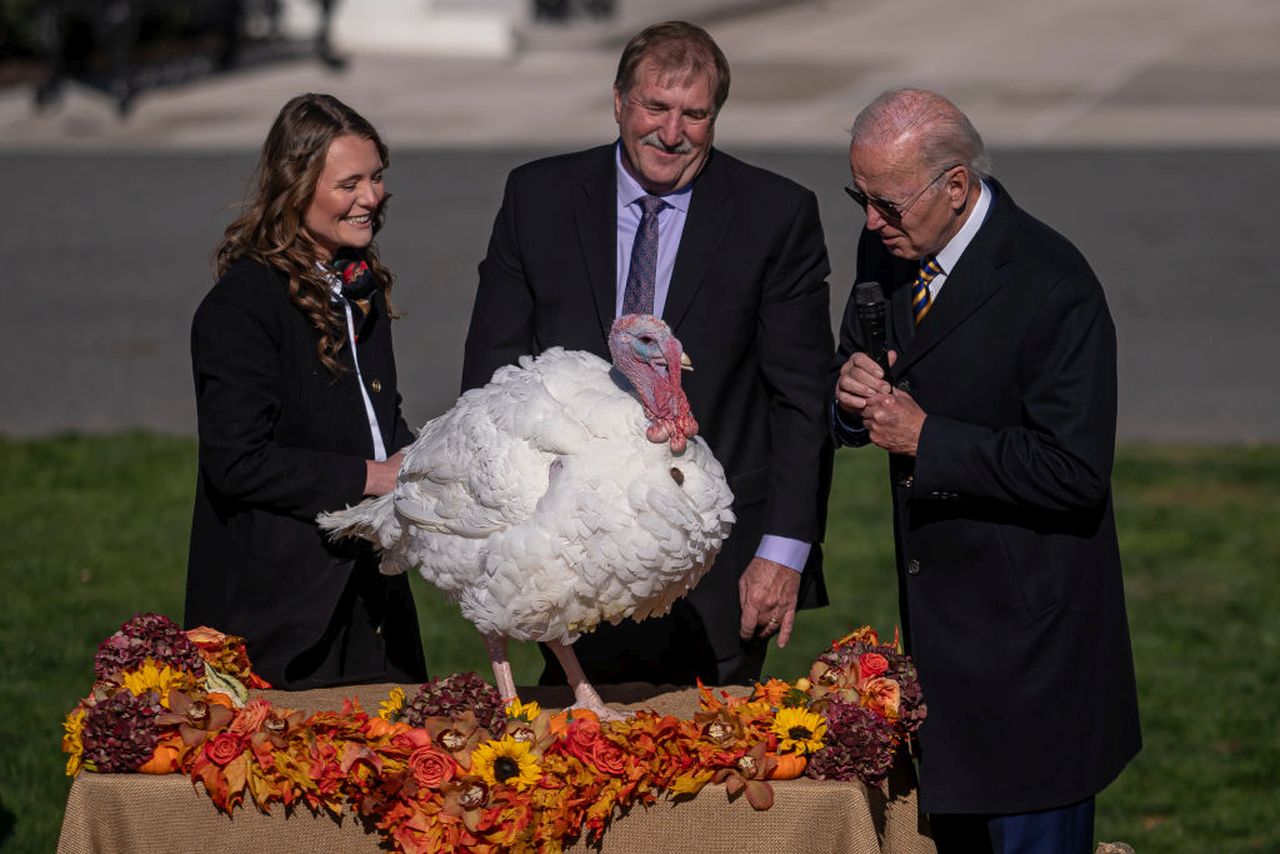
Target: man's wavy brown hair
<point x="271" y="230"/>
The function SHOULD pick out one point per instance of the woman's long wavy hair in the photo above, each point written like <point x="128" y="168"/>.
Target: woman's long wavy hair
<point x="271" y="228"/>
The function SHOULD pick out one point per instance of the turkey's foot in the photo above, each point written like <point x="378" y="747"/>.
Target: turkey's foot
<point x="591" y="701"/>
<point x="584" y="695"/>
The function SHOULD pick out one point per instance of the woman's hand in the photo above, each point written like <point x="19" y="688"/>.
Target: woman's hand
<point x="380" y="477"/>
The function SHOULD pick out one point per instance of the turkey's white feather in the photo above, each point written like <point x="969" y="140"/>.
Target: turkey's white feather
<point x="540" y="507"/>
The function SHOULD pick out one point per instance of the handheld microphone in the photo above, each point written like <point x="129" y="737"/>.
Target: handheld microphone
<point x="869" y="302"/>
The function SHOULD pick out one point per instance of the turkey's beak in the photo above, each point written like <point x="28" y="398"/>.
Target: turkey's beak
<point x="686" y="364"/>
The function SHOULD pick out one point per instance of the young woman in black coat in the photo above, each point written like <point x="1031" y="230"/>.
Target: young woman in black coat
<point x="298" y="413"/>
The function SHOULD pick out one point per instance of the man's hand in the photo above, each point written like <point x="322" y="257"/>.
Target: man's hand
<point x="893" y="422"/>
<point x="380" y="477"/>
<point x="767" y="591"/>
<point x="860" y="379"/>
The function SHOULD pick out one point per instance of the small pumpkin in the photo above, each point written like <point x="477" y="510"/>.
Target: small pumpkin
<point x="787" y="766"/>
<point x="166" y="757"/>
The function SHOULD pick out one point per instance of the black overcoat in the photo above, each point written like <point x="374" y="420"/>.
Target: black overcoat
<point x="1008" y="566"/>
<point x="748" y="300"/>
<point x="281" y="440"/>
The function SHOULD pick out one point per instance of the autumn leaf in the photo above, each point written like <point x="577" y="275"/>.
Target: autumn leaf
<point x="759" y="794"/>
<point x="691" y="784"/>
<point x="353" y="753"/>
<point x="236" y="772"/>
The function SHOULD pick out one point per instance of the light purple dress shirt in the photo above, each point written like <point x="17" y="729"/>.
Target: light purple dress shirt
<point x="784" y="550"/>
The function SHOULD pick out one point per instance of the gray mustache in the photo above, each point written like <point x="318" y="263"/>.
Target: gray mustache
<point x="652" y="139"/>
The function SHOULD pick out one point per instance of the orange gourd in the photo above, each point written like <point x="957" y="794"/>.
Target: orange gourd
<point x="788" y="767"/>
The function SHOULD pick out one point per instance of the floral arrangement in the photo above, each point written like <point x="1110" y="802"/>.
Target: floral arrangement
<point x="452" y="768"/>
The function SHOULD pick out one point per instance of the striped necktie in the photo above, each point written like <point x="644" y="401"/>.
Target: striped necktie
<point x="921" y="302"/>
<point x="637" y="297"/>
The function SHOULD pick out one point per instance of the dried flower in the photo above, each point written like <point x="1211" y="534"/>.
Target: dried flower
<point x="159" y="678"/>
<point x="120" y="732"/>
<point x="507" y="762"/>
<point x="224" y="747"/>
<point x="226" y="653"/>
<point x="721" y="726"/>
<point x="872" y="664"/>
<point x="458" y="736"/>
<point x="391" y="708"/>
<point x="250" y="718"/>
<point x="859" y="745"/>
<point x="72" y="740"/>
<point x="464" y="773"/>
<point x="749" y="774"/>
<point x="432" y="767"/>
<point x="146" y="636"/>
<point x="451" y="695"/>
<point x="799" y="731"/>
<point x="195" y="718"/>
<point x="527" y="712"/>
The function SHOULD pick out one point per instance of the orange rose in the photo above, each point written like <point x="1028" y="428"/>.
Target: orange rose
<point x="607" y="757"/>
<point x="432" y="768"/>
<point x="251" y="717"/>
<point x="204" y="636"/>
<point x="882" y="696"/>
<point x="224" y="747"/>
<point x="580" y="737"/>
<point x="872" y="664"/>
<point x="412" y="739"/>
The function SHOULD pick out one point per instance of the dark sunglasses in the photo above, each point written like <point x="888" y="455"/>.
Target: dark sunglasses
<point x="888" y="209"/>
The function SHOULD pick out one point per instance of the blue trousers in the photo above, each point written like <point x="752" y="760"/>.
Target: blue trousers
<point x="1065" y="830"/>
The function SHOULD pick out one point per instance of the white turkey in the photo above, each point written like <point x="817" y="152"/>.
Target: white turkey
<point x="564" y="493"/>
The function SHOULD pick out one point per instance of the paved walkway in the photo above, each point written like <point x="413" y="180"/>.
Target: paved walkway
<point x="1052" y="73"/>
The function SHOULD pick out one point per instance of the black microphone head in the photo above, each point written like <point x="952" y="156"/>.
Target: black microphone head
<point x="868" y="293"/>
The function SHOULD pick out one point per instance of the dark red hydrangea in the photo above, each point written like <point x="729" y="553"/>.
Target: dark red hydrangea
<point x="451" y="695"/>
<point x="120" y="732"/>
<point x="911" y="708"/>
<point x="859" y="745"/>
<point x="142" y="636"/>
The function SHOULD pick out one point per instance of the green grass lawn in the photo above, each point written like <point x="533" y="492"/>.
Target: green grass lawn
<point x="95" y="529"/>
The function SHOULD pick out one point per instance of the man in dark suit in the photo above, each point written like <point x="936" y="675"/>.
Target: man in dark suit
<point x="733" y="258"/>
<point x="998" y="413"/>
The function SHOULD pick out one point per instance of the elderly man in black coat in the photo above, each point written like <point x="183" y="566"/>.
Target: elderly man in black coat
<point x="998" y="412"/>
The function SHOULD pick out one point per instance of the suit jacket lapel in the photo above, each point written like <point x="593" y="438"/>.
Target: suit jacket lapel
<point x="969" y="285"/>
<point x="904" y="323"/>
<point x="596" y="216"/>
<point x="704" y="231"/>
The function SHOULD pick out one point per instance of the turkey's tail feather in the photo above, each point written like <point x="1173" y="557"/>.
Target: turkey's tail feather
<point x="373" y="520"/>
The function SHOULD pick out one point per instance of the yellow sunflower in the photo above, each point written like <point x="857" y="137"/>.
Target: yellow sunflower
<point x="72" y="743"/>
<point x="527" y="712"/>
<point x="799" y="731"/>
<point x="390" y="708"/>
<point x="508" y="762"/>
<point x="159" y="678"/>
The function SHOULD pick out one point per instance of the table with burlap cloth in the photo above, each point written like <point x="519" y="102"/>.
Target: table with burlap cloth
<point x="141" y="813"/>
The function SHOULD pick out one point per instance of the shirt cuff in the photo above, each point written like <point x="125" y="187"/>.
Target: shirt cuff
<point x="844" y="432"/>
<point x="793" y="554"/>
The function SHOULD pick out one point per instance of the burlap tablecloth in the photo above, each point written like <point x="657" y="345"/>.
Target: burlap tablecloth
<point x="145" y="814"/>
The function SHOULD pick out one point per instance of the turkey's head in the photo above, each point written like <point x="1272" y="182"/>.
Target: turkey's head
<point x="651" y="358"/>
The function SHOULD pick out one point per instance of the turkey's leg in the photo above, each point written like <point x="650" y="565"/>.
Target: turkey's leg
<point x="497" y="646"/>
<point x="584" y="696"/>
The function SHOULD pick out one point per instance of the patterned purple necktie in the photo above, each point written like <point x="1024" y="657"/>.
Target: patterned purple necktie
<point x="642" y="274"/>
